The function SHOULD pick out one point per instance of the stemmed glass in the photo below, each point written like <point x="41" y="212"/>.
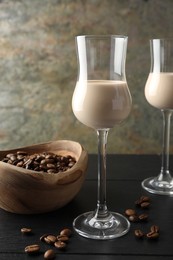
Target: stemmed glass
<point x="159" y="93"/>
<point x="101" y="99"/>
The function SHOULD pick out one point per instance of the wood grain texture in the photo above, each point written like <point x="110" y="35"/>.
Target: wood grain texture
<point x="122" y="191"/>
<point x="27" y="192"/>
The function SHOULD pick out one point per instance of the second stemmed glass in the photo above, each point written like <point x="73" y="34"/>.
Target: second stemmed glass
<point x="101" y="100"/>
<point x="159" y="93"/>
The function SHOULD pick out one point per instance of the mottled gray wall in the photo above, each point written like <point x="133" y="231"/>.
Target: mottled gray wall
<point x="38" y="69"/>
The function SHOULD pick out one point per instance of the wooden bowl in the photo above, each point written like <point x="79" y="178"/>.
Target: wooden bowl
<point x="27" y="191"/>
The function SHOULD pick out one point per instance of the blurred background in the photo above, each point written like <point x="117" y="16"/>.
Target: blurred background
<point x="38" y="69"/>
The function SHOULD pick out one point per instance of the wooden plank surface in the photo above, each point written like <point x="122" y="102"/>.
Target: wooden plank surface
<point x="122" y="192"/>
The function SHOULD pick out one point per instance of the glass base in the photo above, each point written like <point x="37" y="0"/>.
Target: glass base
<point x="87" y="225"/>
<point x="153" y="185"/>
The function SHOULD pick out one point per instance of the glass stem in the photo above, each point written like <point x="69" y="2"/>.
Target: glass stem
<point x="165" y="174"/>
<point x="102" y="211"/>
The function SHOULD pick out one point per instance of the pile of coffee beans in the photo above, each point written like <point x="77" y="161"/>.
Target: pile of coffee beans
<point x="58" y="241"/>
<point x="42" y="162"/>
<point x="132" y="214"/>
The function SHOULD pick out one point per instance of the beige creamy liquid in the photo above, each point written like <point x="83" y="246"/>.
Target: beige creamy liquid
<point x="159" y="90"/>
<point x="101" y="104"/>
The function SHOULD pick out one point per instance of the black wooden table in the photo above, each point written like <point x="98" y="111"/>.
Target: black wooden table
<point x="125" y="173"/>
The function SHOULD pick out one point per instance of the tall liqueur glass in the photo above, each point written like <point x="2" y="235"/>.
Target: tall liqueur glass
<point x="101" y="100"/>
<point x="159" y="93"/>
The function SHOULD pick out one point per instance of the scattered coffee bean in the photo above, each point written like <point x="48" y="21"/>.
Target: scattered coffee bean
<point x="49" y="254"/>
<point x="130" y="212"/>
<point x="42" y="162"/>
<point x="141" y="200"/>
<point x="145" y="205"/>
<point x="26" y="230"/>
<point x="144" y="198"/>
<point x="50" y="239"/>
<point x="32" y="249"/>
<point x="154" y="228"/>
<point x="152" y="235"/>
<point x="133" y="218"/>
<point x="63" y="238"/>
<point x="60" y="244"/>
<point x="143" y="217"/>
<point x="43" y="237"/>
<point x="138" y="233"/>
<point x="66" y="232"/>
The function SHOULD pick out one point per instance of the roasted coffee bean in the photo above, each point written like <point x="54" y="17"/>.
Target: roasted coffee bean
<point x="63" y="238"/>
<point x="145" y="205"/>
<point x="143" y="217"/>
<point x="133" y="218"/>
<point x="130" y="212"/>
<point x="13" y="157"/>
<point x="50" y="160"/>
<point x="50" y="166"/>
<point x="50" y="156"/>
<point x="66" y="232"/>
<point x="19" y="164"/>
<point x="51" y="171"/>
<point x="9" y="155"/>
<point x="144" y="199"/>
<point x="32" y="249"/>
<point x="50" y="239"/>
<point x="26" y="230"/>
<point x="154" y="228"/>
<point x="49" y="254"/>
<point x="141" y="200"/>
<point x="71" y="164"/>
<point x="138" y="233"/>
<point x="43" y="237"/>
<point x="152" y="235"/>
<point x="21" y="153"/>
<point x="43" y="162"/>
<point x="60" y="244"/>
<point x="20" y="157"/>
<point x="28" y="164"/>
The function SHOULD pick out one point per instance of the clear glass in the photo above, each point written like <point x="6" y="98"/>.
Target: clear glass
<point x="101" y="100"/>
<point x="159" y="93"/>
